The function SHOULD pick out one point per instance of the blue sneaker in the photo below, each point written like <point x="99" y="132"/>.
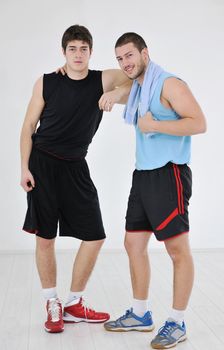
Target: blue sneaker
<point x="131" y="322"/>
<point x="169" y="335"/>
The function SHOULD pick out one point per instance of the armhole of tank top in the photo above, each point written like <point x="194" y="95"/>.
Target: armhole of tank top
<point x="161" y="89"/>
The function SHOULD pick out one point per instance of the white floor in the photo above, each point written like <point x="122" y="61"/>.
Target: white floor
<point x="22" y="311"/>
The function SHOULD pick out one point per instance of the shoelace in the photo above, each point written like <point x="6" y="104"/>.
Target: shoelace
<point x="54" y="310"/>
<point x="165" y="330"/>
<point x="86" y="307"/>
<point x="125" y="315"/>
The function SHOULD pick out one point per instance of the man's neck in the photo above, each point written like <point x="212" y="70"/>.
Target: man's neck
<point x="77" y="75"/>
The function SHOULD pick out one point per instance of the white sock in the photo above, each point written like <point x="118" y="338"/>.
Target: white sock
<point x="177" y="315"/>
<point x="74" y="296"/>
<point x="140" y="307"/>
<point x="49" y="293"/>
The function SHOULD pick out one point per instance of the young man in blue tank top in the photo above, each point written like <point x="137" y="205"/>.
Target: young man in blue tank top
<point x="161" y="186"/>
<point x="55" y="175"/>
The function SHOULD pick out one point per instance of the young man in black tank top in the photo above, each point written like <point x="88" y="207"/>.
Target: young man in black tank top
<point x="55" y="175"/>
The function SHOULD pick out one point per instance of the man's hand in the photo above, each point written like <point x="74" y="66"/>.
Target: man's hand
<point x="27" y="181"/>
<point x="62" y="70"/>
<point x="145" y="123"/>
<point x="107" y="100"/>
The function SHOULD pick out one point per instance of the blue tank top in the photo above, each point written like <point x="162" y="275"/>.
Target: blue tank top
<point x="157" y="150"/>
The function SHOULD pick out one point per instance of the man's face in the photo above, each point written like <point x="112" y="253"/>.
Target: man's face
<point x="131" y="61"/>
<point x="77" y="55"/>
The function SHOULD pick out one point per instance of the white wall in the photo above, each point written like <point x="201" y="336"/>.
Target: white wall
<point x="185" y="37"/>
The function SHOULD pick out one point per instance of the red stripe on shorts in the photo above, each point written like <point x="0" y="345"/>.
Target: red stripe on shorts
<point x="167" y="220"/>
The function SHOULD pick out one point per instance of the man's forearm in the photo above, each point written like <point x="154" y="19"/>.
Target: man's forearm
<point x="26" y="146"/>
<point x="181" y="127"/>
<point x="123" y="92"/>
<point x="118" y="95"/>
<point x="186" y="126"/>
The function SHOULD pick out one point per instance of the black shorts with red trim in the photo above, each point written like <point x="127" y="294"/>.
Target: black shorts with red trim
<point x="64" y="194"/>
<point x="159" y="199"/>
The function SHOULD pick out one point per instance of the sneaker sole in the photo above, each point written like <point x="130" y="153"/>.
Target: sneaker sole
<point x="72" y="319"/>
<point x="129" y="329"/>
<point x="54" y="330"/>
<point x="183" y="338"/>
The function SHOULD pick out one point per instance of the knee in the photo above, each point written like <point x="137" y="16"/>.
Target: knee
<point x="44" y="244"/>
<point x="128" y="245"/>
<point x="179" y="255"/>
<point x="134" y="249"/>
<point x="174" y="255"/>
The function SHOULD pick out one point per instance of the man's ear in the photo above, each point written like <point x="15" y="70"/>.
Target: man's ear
<point x="63" y="51"/>
<point x="145" y="53"/>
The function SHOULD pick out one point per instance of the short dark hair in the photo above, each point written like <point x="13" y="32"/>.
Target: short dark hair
<point x="77" y="32"/>
<point x="131" y="37"/>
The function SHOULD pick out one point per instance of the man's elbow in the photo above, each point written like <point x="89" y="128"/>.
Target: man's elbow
<point x="29" y="127"/>
<point x="202" y="127"/>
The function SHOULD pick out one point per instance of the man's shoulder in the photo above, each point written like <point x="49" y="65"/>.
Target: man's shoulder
<point x="95" y="73"/>
<point x="95" y="78"/>
<point x="52" y="76"/>
<point x="50" y="84"/>
<point x="173" y="81"/>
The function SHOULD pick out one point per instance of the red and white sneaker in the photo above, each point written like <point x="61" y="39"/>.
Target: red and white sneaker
<point x="78" y="312"/>
<point x="54" y="323"/>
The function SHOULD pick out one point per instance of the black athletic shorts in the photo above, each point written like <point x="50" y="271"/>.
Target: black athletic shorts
<point x="159" y="200"/>
<point x="64" y="193"/>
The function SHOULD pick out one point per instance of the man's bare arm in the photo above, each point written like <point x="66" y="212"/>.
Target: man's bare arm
<point x="32" y="117"/>
<point x="116" y="88"/>
<point x="176" y="95"/>
<point x="118" y="95"/>
<point x="112" y="78"/>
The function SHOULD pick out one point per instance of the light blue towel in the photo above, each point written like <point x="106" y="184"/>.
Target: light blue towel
<point x="140" y="97"/>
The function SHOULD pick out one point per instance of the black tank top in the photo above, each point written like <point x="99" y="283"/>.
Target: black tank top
<point x="71" y="115"/>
